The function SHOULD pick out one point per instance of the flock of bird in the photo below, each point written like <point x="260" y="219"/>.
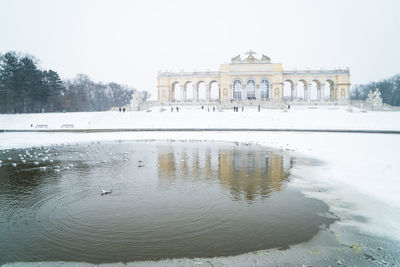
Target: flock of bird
<point x="44" y="155"/>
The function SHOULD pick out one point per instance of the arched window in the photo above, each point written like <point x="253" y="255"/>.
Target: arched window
<point x="237" y="89"/>
<point x="251" y="89"/>
<point x="264" y="89"/>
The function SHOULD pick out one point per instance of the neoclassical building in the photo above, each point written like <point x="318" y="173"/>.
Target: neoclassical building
<point x="253" y="78"/>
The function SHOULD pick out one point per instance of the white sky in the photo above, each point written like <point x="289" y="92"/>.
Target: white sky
<point x="129" y="41"/>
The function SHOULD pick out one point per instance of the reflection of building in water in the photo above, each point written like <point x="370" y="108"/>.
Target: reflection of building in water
<point x="185" y="162"/>
<point x="166" y="159"/>
<point x="250" y="173"/>
<point x="244" y="172"/>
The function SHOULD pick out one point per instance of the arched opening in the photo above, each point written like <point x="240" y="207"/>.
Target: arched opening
<point x="214" y="90"/>
<point x="264" y="89"/>
<point x="314" y="94"/>
<point x="251" y="89"/>
<point x="329" y="93"/>
<point x="189" y="92"/>
<point x="202" y="91"/>
<point x="237" y="89"/>
<point x="177" y="92"/>
<point x="301" y="89"/>
<point x="288" y="93"/>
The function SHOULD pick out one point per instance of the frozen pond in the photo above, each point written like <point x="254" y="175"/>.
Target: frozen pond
<point x="167" y="200"/>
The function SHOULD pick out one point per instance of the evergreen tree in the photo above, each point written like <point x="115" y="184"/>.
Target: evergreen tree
<point x="10" y="76"/>
<point x="55" y="88"/>
<point x="32" y="88"/>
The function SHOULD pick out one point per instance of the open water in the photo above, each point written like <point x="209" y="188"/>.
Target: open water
<point x="167" y="200"/>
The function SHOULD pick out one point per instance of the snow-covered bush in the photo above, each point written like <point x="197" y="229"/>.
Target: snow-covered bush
<point x="374" y="100"/>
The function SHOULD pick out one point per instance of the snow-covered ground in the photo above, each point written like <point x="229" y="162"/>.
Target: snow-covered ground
<point x="298" y="117"/>
<point x="358" y="175"/>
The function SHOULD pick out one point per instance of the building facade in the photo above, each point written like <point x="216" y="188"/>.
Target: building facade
<point x="253" y="78"/>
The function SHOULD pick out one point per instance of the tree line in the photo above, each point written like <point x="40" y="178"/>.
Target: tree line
<point x="389" y="89"/>
<point x="25" y="88"/>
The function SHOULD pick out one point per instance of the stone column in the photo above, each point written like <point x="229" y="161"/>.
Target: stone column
<point x="184" y="93"/>
<point x="335" y="93"/>
<point x="294" y="91"/>
<point x="208" y="93"/>
<point x="291" y="92"/>
<point x="258" y="93"/>
<point x="170" y="94"/>
<point x="306" y="89"/>
<point x="195" y="94"/>
<point x="305" y="92"/>
<point x="322" y="92"/>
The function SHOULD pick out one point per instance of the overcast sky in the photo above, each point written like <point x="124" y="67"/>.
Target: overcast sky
<point x="129" y="41"/>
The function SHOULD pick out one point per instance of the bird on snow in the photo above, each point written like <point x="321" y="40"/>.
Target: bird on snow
<point x="105" y="192"/>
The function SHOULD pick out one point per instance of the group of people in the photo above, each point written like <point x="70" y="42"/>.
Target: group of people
<point x="121" y="109"/>
<point x="208" y="108"/>
<point x="236" y="109"/>
<point x="202" y="107"/>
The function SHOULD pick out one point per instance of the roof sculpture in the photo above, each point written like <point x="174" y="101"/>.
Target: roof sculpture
<point x="251" y="58"/>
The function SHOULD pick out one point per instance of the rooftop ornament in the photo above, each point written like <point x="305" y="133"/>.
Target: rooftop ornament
<point x="251" y="58"/>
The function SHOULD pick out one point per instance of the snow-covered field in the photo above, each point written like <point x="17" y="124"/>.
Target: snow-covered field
<point x="298" y="117"/>
<point x="358" y="175"/>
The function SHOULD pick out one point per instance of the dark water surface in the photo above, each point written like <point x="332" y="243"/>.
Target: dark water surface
<point x="168" y="200"/>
